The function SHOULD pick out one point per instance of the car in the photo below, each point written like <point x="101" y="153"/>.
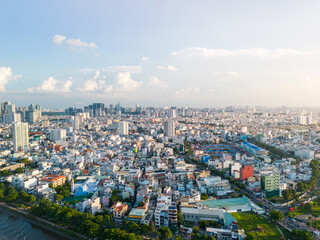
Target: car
<point x="316" y="233"/>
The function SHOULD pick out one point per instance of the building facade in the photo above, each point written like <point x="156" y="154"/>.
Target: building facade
<point x="20" y="136"/>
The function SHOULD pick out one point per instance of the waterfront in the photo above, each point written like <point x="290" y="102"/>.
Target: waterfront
<point x="14" y="227"/>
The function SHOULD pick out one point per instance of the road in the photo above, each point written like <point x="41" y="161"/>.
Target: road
<point x="288" y="222"/>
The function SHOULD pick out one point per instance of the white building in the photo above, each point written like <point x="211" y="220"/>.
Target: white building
<point x="169" y="128"/>
<point x="58" y="134"/>
<point x="173" y="113"/>
<point x="304" y="119"/>
<point x="76" y="123"/>
<point x="20" y="136"/>
<point x="304" y="153"/>
<point x="45" y="123"/>
<point x="9" y="118"/>
<point x="123" y="128"/>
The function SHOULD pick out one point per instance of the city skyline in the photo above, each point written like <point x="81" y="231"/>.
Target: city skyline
<point x="158" y="54"/>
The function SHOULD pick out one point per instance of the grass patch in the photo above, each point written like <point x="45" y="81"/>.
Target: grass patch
<point x="257" y="226"/>
<point x="286" y="233"/>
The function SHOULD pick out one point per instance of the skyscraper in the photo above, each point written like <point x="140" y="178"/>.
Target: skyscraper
<point x="9" y="114"/>
<point x="20" y="136"/>
<point x="173" y="113"/>
<point x="123" y="128"/>
<point x="169" y="128"/>
<point x="76" y="122"/>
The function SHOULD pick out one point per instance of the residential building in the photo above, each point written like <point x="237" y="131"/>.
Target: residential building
<point x="20" y="136"/>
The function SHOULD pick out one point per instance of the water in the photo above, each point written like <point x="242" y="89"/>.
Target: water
<point x="13" y="227"/>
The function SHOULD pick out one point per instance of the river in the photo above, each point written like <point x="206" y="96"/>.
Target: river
<point x="14" y="227"/>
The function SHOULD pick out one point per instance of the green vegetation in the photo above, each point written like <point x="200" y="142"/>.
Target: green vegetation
<point x="99" y="226"/>
<point x="204" y="223"/>
<point x="289" y="194"/>
<point x="117" y="197"/>
<point x="257" y="227"/>
<point x="9" y="194"/>
<point x="309" y="208"/>
<point x="276" y="215"/>
<point x="180" y="218"/>
<point x="312" y="183"/>
<point x="7" y="173"/>
<point x="301" y="235"/>
<point x="28" y="163"/>
<point x="204" y="196"/>
<point x="196" y="235"/>
<point x="164" y="233"/>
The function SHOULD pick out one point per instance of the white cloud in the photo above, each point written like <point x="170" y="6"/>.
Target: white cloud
<point x="145" y="59"/>
<point x="226" y="74"/>
<point x="156" y="83"/>
<point x="51" y="85"/>
<point x="94" y="84"/>
<point x="126" y="83"/>
<point x="168" y="68"/>
<point x="6" y="76"/>
<point x="72" y="43"/>
<point x="108" y="89"/>
<point x="80" y="44"/>
<point x="66" y="86"/>
<point x="130" y="69"/>
<point x="58" y="39"/>
<point x="254" y="52"/>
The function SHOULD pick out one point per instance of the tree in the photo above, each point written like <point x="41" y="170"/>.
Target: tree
<point x="144" y="229"/>
<point x="177" y="237"/>
<point x="301" y="235"/>
<point x="204" y="196"/>
<point x="276" y="215"/>
<point x="195" y="236"/>
<point x="24" y="196"/>
<point x="195" y="230"/>
<point x="19" y="170"/>
<point x="308" y="207"/>
<point x="203" y="224"/>
<point x="165" y="233"/>
<point x="251" y="236"/>
<point x="59" y="197"/>
<point x="286" y="195"/>
<point x="32" y="198"/>
<point x="90" y="228"/>
<point x="98" y="219"/>
<point x="11" y="194"/>
<point x="180" y="218"/>
<point x="152" y="229"/>
<point x="133" y="227"/>
<point x="3" y="186"/>
<point x="68" y="217"/>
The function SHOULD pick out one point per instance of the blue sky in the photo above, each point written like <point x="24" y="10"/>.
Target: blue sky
<point x="184" y="53"/>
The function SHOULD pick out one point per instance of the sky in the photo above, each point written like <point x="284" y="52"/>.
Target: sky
<point x="160" y="52"/>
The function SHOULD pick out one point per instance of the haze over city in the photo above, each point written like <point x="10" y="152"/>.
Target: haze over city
<point x="183" y="53"/>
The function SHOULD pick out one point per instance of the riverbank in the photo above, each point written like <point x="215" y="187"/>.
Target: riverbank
<point x="56" y="229"/>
